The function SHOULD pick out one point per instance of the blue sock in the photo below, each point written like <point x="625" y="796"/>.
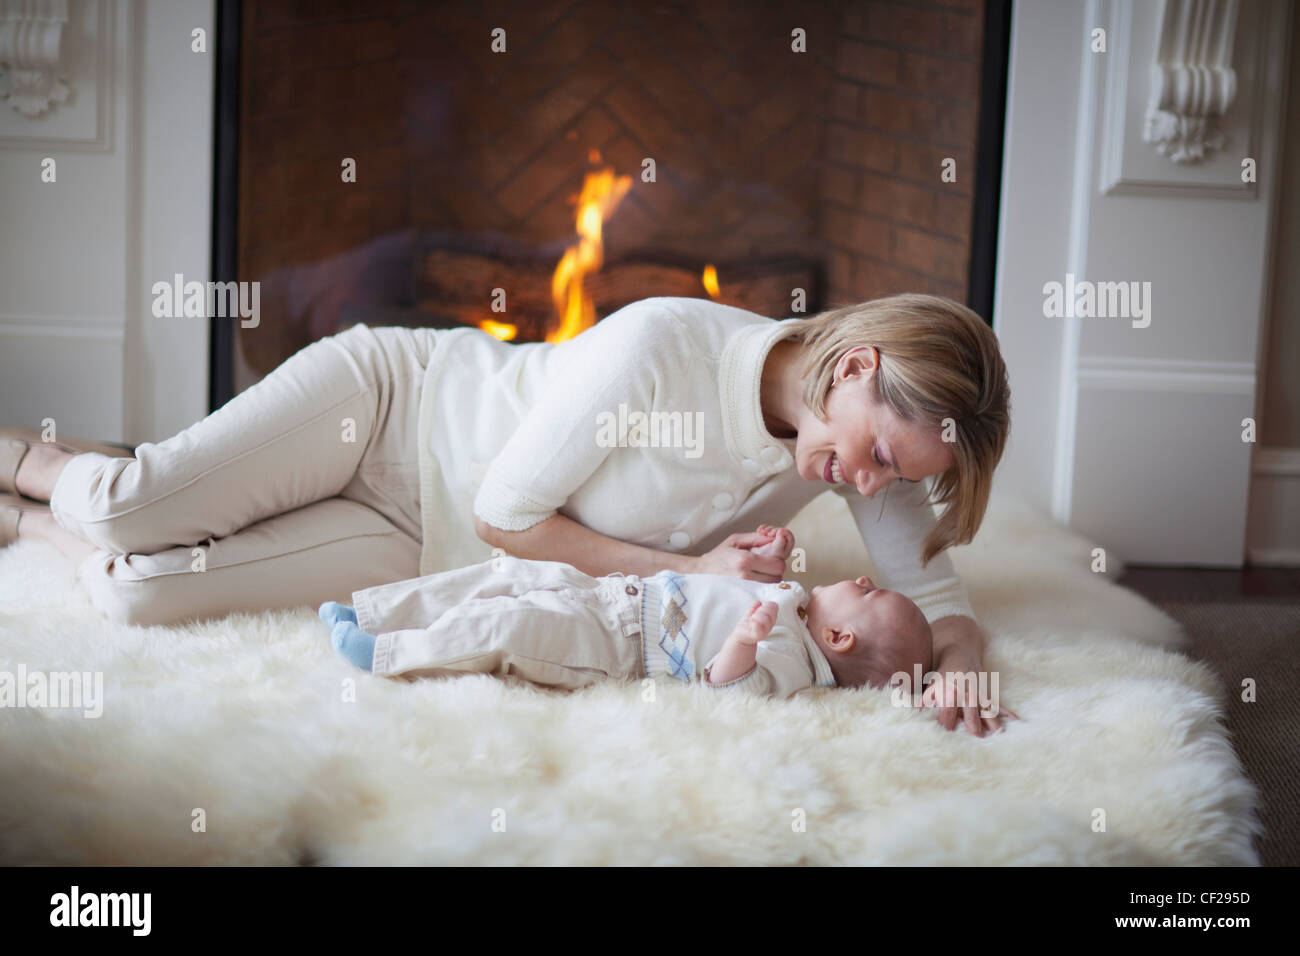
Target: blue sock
<point x="331" y="612"/>
<point x="354" y="644"/>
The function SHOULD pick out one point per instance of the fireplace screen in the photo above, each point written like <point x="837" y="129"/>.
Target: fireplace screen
<point x="530" y="167"/>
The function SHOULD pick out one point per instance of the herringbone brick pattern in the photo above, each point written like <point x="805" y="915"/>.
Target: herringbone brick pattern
<point x="758" y="150"/>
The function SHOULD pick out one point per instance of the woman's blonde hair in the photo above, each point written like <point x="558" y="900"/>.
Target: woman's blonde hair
<point x="938" y="361"/>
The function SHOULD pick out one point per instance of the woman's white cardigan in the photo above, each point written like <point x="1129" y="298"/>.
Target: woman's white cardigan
<point x="646" y="428"/>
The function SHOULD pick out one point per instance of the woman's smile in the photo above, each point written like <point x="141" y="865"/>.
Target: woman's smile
<point x="833" y="471"/>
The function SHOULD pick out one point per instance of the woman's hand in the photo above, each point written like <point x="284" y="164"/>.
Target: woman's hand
<point x="958" y="649"/>
<point x="734" y="557"/>
<point x="955" y="696"/>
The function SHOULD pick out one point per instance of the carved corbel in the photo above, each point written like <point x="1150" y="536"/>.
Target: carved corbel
<point x="31" y="41"/>
<point x="1192" y="81"/>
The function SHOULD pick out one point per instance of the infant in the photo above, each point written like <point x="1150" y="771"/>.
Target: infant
<point x="551" y="624"/>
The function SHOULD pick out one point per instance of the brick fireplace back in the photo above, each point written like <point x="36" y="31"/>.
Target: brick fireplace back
<point x="830" y="157"/>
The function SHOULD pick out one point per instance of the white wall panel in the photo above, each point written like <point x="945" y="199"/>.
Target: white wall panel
<point x="132" y="147"/>
<point x="1129" y="431"/>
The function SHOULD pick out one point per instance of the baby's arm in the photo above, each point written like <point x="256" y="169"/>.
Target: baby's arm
<point x="779" y="545"/>
<point x="740" y="650"/>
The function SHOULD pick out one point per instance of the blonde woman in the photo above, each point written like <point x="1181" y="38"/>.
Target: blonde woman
<point x="655" y="440"/>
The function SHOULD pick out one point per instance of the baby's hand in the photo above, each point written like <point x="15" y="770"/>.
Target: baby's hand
<point x="757" y="624"/>
<point x="740" y="650"/>
<point x="779" y="544"/>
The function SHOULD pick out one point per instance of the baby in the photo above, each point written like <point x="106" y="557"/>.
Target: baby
<point x="551" y="624"/>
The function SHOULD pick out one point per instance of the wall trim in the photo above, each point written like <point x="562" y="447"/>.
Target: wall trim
<point x="1166" y="375"/>
<point x="1273" y="533"/>
<point x="1067" y="409"/>
<point x="1273" y="557"/>
<point x="92" y="328"/>
<point x="1276" y="461"/>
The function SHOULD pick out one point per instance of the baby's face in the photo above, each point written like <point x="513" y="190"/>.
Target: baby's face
<point x="870" y="613"/>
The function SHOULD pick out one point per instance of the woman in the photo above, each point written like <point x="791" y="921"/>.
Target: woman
<point x="657" y="439"/>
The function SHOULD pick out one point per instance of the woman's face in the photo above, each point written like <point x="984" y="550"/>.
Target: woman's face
<point x="862" y="442"/>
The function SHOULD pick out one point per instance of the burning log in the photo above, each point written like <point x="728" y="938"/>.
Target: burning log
<point x="456" y="284"/>
<point x="555" y="304"/>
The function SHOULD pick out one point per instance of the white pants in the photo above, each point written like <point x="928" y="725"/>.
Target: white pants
<point x="301" y="489"/>
<point x="541" y="621"/>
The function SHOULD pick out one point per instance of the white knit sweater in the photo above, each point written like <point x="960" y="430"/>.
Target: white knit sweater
<point x="517" y="433"/>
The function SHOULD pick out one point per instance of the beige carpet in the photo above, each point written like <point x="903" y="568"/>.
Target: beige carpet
<point x="249" y="741"/>
<point x="1260" y="642"/>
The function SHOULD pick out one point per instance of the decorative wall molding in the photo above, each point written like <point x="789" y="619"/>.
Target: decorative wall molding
<point x="1255" y="54"/>
<point x="1166" y="375"/>
<point x="1123" y="447"/>
<point x="31" y="48"/>
<point x="1192" y="81"/>
<point x="84" y="48"/>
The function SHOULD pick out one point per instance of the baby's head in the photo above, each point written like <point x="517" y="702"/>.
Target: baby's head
<point x="868" y="634"/>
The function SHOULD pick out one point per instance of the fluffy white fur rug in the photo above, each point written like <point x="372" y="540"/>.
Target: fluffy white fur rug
<point x="246" y="720"/>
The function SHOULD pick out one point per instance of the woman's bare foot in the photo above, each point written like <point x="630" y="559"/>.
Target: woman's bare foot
<point x="44" y="462"/>
<point x="39" y="524"/>
<point x="40" y="469"/>
<point x="75" y="444"/>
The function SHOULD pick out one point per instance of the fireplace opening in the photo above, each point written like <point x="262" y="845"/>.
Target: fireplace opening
<point x="530" y="168"/>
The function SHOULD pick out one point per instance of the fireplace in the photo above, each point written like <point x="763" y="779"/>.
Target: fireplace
<point x="407" y="163"/>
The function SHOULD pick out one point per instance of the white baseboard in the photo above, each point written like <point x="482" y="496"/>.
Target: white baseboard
<point x="1277" y="461"/>
<point x="1276" y="558"/>
<point x="1273" y="524"/>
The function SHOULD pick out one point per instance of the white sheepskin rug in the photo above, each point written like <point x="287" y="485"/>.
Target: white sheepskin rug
<point x="249" y="741"/>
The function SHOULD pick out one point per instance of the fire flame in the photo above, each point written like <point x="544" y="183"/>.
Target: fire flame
<point x="501" y="330"/>
<point x="710" y="280"/>
<point x="602" y="191"/>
